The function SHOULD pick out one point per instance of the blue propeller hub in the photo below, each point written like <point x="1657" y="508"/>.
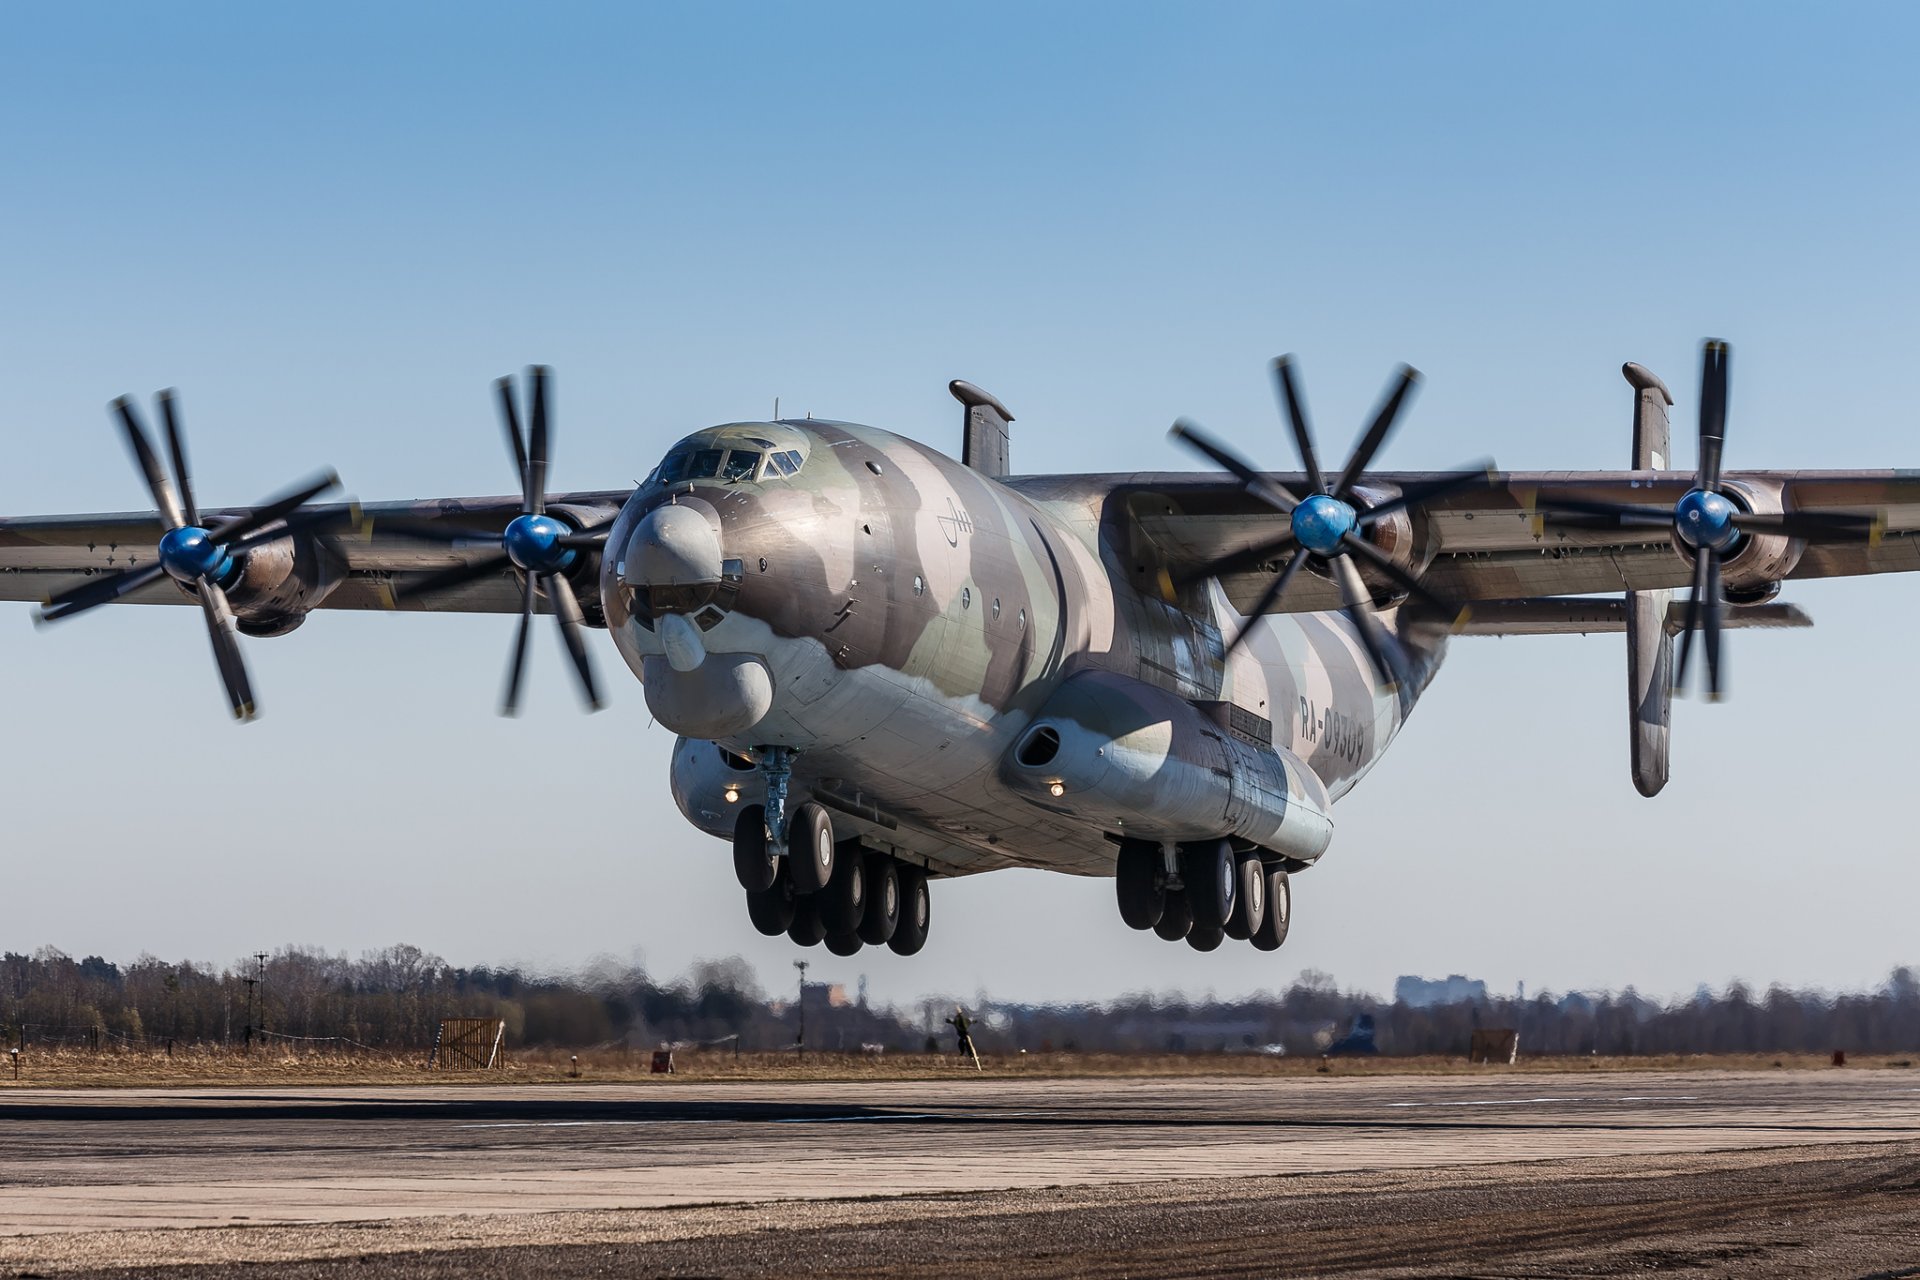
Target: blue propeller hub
<point x="190" y="554"/>
<point x="1319" y="522"/>
<point x="1705" y="520"/>
<point x="533" y="543"/>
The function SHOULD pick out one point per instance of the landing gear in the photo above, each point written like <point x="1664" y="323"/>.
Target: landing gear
<point x="754" y="865"/>
<point x="810" y="848"/>
<point x="1140" y="881"/>
<point x="1177" y="920"/>
<point x="1212" y="882"/>
<point x="1249" y="896"/>
<point x="815" y="891"/>
<point x="1205" y="937"/>
<point x="916" y="912"/>
<point x="1273" y="928"/>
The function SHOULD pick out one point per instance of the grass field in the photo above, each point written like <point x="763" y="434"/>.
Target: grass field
<point x="65" y="1068"/>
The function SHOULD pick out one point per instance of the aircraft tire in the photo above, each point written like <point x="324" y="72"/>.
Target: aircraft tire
<point x="752" y="865"/>
<point x="843" y="903"/>
<point x="810" y="848"/>
<point x="1137" y="883"/>
<point x="771" y="909"/>
<point x="806" y="928"/>
<point x="1205" y="937"/>
<point x="1273" y="929"/>
<point x="1249" y="896"/>
<point x="882" y="915"/>
<point x="843" y="944"/>
<point x="1175" y="922"/>
<point x="1211" y="879"/>
<point x="916" y="912"/>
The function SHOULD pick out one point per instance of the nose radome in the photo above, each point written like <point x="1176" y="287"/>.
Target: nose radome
<point x="673" y="546"/>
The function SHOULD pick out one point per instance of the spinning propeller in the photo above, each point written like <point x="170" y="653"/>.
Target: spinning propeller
<point x="207" y="559"/>
<point x="1707" y="520"/>
<point x="1327" y="523"/>
<point x="540" y="546"/>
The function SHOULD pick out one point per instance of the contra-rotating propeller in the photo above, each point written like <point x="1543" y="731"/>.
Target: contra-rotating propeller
<point x="1327" y="523"/>
<point x="208" y="559"/>
<point x="540" y="546"/>
<point x="1708" y="521"/>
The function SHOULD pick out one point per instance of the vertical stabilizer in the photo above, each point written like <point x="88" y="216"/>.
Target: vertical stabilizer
<point x="1649" y="647"/>
<point x="984" y="441"/>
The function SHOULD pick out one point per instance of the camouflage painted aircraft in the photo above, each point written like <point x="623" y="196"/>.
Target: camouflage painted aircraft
<point x="888" y="667"/>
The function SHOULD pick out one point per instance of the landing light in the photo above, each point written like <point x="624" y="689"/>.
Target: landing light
<point x="733" y="795"/>
<point x="1056" y="790"/>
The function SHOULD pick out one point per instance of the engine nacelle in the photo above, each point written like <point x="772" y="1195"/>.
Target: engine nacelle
<point x="1754" y="571"/>
<point x="1141" y="762"/>
<point x="279" y="583"/>
<point x="703" y="777"/>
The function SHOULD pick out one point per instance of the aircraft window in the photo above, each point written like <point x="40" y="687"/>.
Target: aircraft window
<point x="777" y="464"/>
<point x="705" y="464"/>
<point x="793" y="461"/>
<point x="966" y="597"/>
<point x="741" y="464"/>
<point x="674" y="468"/>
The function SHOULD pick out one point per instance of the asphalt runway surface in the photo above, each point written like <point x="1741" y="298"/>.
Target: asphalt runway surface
<point x="1503" y="1174"/>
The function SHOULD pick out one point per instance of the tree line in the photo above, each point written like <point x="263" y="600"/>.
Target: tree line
<point x="393" y="1000"/>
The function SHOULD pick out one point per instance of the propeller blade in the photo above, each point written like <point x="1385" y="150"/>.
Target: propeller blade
<point x="510" y="418"/>
<point x="226" y="650"/>
<point x="1238" y="561"/>
<point x="536" y="495"/>
<point x="1258" y="485"/>
<point x="1359" y="608"/>
<point x="1269" y="599"/>
<point x="1695" y="602"/>
<point x="1419" y="494"/>
<point x="1297" y="419"/>
<point x="573" y="626"/>
<point x="340" y="519"/>
<point x="177" y="447"/>
<point x="510" y="703"/>
<point x="1715" y="613"/>
<point x="1454" y="612"/>
<point x="447" y="579"/>
<point x="1815" y="526"/>
<point x="1713" y="412"/>
<point x="149" y="463"/>
<point x="284" y="505"/>
<point x="98" y="591"/>
<point x="1407" y="379"/>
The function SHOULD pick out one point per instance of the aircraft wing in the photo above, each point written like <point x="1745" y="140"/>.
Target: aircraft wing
<point x="363" y="553"/>
<point x="1484" y="543"/>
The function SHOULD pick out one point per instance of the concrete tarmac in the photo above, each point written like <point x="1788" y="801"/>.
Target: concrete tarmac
<point x="81" y="1170"/>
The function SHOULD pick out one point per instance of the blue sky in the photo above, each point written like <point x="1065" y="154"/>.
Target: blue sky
<point x="331" y="228"/>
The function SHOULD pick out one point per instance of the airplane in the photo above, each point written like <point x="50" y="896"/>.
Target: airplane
<point x="888" y="667"/>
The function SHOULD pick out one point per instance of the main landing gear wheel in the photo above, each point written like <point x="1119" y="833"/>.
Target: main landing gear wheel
<point x="806" y="928"/>
<point x="810" y="848"/>
<point x="1211" y="880"/>
<point x="883" y="901"/>
<point x="1273" y="929"/>
<point x="843" y="903"/>
<point x="1250" y="896"/>
<point x="1205" y="937"/>
<point x="752" y="864"/>
<point x="1177" y="920"/>
<point x="1138" y="881"/>
<point x="772" y="909"/>
<point x="916" y="912"/>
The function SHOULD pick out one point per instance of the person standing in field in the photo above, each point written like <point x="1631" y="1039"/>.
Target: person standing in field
<point x="963" y="1041"/>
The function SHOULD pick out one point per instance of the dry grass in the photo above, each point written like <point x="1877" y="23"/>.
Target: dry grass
<point x="72" y="1068"/>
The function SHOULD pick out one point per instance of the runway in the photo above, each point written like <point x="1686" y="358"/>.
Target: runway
<point x="93" y="1179"/>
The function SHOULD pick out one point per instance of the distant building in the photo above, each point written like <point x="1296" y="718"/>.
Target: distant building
<point x="1422" y="993"/>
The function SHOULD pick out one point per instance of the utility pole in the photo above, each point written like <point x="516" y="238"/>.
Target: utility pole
<point x="801" y="1039"/>
<point x="260" y="971"/>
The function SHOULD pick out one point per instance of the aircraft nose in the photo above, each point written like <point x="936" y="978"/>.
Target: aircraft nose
<point x="674" y="558"/>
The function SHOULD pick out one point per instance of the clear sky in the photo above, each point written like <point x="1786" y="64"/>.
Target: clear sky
<point x="331" y="226"/>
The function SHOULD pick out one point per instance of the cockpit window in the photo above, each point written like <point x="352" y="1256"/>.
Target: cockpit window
<point x="736" y="466"/>
<point x="787" y="462"/>
<point x="741" y="464"/>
